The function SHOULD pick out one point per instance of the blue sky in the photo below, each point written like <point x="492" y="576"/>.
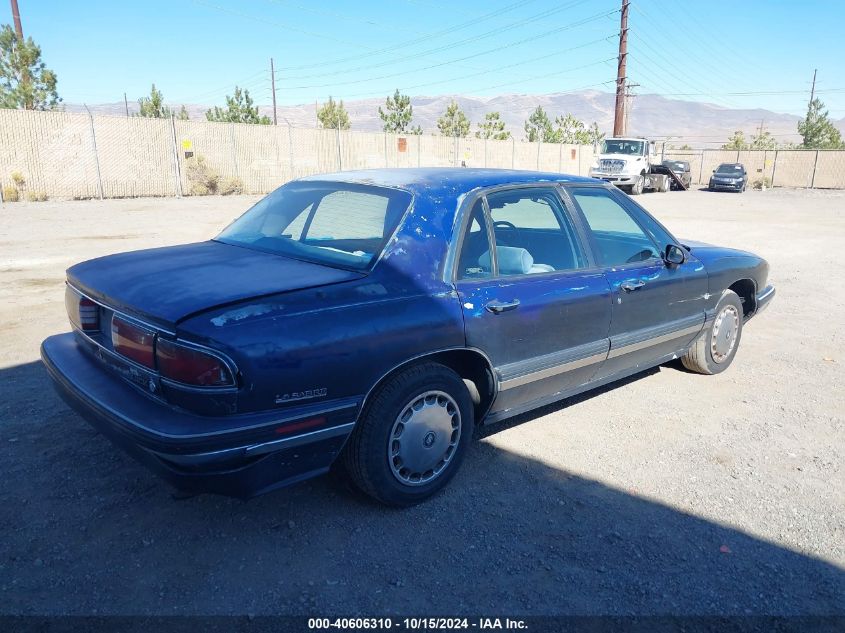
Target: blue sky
<point x="197" y="50"/>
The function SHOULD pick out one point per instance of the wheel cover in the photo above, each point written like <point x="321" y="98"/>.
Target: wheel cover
<point x="424" y="438"/>
<point x="725" y="330"/>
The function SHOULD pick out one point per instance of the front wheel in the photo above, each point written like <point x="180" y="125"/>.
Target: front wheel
<point x="412" y="436"/>
<point x="637" y="187"/>
<point x="715" y="348"/>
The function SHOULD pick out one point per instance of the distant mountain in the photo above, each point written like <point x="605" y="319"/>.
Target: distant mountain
<point x="695" y="123"/>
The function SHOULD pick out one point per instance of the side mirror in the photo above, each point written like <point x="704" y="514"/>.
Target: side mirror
<point x="674" y="255"/>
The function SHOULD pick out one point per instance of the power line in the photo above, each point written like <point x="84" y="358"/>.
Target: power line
<point x="508" y="83"/>
<point x="496" y="49"/>
<point x="515" y="64"/>
<point x="280" y="25"/>
<point x="667" y="34"/>
<point x="475" y="38"/>
<point x="422" y="38"/>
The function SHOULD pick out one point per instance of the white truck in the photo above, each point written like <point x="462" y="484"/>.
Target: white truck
<point x="634" y="165"/>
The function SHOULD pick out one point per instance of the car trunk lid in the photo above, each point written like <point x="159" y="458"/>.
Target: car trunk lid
<point x="166" y="285"/>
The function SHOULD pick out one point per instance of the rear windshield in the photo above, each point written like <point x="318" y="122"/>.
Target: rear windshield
<point x="338" y="224"/>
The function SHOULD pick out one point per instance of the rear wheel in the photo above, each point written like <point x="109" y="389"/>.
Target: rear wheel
<point x="412" y="437"/>
<point x="715" y="348"/>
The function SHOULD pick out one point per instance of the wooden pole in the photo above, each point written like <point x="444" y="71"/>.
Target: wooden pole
<point x="619" y="113"/>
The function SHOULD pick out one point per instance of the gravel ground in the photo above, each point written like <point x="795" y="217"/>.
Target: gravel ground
<point x="668" y="493"/>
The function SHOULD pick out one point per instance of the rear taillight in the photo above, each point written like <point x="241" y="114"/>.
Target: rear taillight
<point x="191" y="366"/>
<point x="82" y="312"/>
<point x="133" y="342"/>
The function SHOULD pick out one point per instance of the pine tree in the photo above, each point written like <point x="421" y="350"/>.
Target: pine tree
<point x="332" y="115"/>
<point x="453" y="122"/>
<point x="492" y="128"/>
<point x="737" y="141"/>
<point x="817" y="130"/>
<point x="396" y="118"/>
<point x="25" y="82"/>
<point x="571" y="130"/>
<point x="239" y="109"/>
<point x="153" y="107"/>
<point x="538" y="127"/>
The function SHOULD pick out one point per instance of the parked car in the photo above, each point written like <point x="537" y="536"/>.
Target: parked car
<point x="681" y="170"/>
<point x="729" y="177"/>
<point x="371" y="319"/>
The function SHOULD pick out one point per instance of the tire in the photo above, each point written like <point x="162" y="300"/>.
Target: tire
<point x="373" y="456"/>
<point x="637" y="187"/>
<point x="709" y="356"/>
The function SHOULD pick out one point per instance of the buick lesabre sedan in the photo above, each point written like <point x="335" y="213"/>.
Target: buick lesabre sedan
<point x="370" y="320"/>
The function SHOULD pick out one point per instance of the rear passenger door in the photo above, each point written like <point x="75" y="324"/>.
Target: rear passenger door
<point x="657" y="308"/>
<point x="531" y="299"/>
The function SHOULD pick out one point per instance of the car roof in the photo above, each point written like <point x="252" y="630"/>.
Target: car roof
<point x="434" y="181"/>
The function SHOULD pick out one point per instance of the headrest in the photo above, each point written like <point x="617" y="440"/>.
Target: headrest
<point x="512" y="260"/>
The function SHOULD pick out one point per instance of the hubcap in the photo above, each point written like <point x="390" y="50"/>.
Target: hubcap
<point x="725" y="329"/>
<point x="424" y="438"/>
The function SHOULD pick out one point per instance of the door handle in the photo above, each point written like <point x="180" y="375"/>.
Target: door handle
<point x="630" y="286"/>
<point x="497" y="307"/>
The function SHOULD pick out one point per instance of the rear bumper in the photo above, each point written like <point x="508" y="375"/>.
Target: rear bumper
<point x="239" y="455"/>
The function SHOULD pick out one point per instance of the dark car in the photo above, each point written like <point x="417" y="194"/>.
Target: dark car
<point x="729" y="177"/>
<point x="371" y="319"/>
<point x="681" y="169"/>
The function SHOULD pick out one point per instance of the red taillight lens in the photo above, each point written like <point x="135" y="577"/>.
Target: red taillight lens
<point x="191" y="366"/>
<point x="82" y="312"/>
<point x="133" y="342"/>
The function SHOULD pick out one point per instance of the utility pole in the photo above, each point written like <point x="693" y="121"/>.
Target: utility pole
<point x="812" y="90"/>
<point x="273" y="87"/>
<point x="126" y="104"/>
<point x="16" y="17"/>
<point x="619" y="114"/>
<point x="629" y="97"/>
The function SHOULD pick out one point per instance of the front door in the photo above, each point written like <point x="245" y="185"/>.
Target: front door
<point x="657" y="308"/>
<point x="531" y="302"/>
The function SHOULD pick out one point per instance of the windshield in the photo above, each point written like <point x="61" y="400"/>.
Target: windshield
<point x="333" y="223"/>
<point x="619" y="146"/>
<point x="676" y="165"/>
<point x="729" y="170"/>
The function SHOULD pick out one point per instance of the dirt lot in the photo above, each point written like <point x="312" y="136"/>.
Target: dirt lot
<point x="671" y="493"/>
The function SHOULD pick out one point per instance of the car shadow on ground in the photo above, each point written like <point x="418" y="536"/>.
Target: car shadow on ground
<point x="87" y="530"/>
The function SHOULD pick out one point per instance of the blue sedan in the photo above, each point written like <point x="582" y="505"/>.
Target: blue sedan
<point x="370" y="320"/>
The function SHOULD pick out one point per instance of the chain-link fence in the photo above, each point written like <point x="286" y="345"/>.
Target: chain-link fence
<point x="64" y="155"/>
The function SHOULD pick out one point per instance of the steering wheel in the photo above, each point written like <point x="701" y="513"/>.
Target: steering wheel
<point x="504" y="224"/>
<point x="643" y="255"/>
